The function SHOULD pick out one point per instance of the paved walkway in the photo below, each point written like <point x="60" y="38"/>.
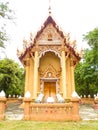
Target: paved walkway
<point x="14" y="112"/>
<point x="88" y="113"/>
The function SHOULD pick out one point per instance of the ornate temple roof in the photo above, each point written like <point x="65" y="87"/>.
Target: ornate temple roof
<point x="27" y="46"/>
<point x="48" y="21"/>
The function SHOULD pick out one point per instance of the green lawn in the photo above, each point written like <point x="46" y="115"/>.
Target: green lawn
<point x="32" y="125"/>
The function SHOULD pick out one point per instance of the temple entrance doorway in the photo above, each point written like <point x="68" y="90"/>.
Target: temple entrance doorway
<point x="49" y="90"/>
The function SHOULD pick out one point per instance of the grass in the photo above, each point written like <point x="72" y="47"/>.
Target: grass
<point x="32" y="125"/>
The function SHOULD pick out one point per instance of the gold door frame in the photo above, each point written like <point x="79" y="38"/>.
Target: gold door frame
<point x="43" y="80"/>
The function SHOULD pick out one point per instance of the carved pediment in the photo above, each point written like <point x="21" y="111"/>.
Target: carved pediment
<point x="49" y="72"/>
<point x="50" y="36"/>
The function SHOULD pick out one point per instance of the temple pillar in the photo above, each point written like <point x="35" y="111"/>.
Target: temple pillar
<point x="72" y="76"/>
<point x="64" y="74"/>
<point x="35" y="75"/>
<point x="31" y="76"/>
<point x="27" y="74"/>
<point x="68" y="79"/>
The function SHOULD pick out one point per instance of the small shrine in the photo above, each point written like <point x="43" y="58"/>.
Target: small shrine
<point x="49" y="59"/>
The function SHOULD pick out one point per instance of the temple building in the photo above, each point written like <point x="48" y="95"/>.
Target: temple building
<point x="49" y="59"/>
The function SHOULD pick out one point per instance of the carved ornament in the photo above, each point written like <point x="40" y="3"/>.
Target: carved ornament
<point x="27" y="62"/>
<point x="49" y="36"/>
<point x="49" y="72"/>
<point x="55" y="49"/>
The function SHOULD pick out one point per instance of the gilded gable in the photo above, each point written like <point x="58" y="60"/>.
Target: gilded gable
<point x="50" y="36"/>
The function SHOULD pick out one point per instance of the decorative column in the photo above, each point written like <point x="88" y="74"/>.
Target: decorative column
<point x="2" y="108"/>
<point x="31" y="76"/>
<point x="95" y="106"/>
<point x="35" y="74"/>
<point x="27" y="109"/>
<point x="2" y="105"/>
<point x="27" y="74"/>
<point x="72" y="77"/>
<point x="75" y="109"/>
<point x="64" y="73"/>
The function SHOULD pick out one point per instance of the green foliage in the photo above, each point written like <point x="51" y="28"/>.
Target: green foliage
<point x="86" y="73"/>
<point x="92" y="38"/>
<point x="11" y="77"/>
<point x="5" y="14"/>
<point x="4" y="10"/>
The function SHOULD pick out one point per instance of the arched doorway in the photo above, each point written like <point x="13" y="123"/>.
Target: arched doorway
<point x="49" y="73"/>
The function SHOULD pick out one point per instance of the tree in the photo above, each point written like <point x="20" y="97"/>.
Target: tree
<point x="86" y="73"/>
<point x="92" y="40"/>
<point x="11" y="77"/>
<point x="5" y="14"/>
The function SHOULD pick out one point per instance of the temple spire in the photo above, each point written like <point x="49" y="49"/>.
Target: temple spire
<point x="49" y="9"/>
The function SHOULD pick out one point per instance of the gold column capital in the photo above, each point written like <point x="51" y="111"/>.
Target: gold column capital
<point x="72" y="63"/>
<point x="27" y="62"/>
<point x="62" y="48"/>
<point x="36" y="48"/>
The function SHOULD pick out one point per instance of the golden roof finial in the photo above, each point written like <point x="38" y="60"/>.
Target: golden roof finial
<point x="49" y="9"/>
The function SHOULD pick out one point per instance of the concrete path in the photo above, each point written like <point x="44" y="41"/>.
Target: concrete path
<point x="14" y="112"/>
<point x="88" y="113"/>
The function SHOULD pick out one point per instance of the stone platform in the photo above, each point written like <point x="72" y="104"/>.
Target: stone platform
<point x="14" y="112"/>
